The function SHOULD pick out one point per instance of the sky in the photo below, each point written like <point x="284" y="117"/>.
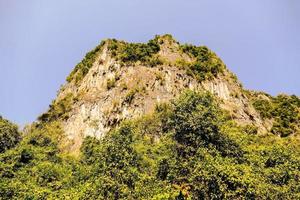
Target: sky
<point x="41" y="41"/>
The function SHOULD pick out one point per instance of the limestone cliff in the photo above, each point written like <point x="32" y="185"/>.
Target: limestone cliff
<point x="109" y="88"/>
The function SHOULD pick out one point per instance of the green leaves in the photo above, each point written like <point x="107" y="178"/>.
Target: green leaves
<point x="188" y="149"/>
<point x="197" y="120"/>
<point x="284" y="110"/>
<point x="133" y="52"/>
<point x="9" y="135"/>
<point x="207" y="64"/>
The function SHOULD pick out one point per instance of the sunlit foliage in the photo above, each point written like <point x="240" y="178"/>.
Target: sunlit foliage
<point x="187" y="149"/>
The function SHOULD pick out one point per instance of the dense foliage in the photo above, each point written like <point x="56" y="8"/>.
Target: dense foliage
<point x="283" y="110"/>
<point x="34" y="169"/>
<point x="188" y="149"/>
<point x="9" y="135"/>
<point x="207" y="64"/>
<point x="133" y="52"/>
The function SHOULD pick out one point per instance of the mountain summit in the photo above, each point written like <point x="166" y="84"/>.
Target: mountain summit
<point x="120" y="80"/>
<point x="160" y="120"/>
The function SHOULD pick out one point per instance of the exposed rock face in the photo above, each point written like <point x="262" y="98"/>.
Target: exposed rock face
<point x="219" y="88"/>
<point x="110" y="93"/>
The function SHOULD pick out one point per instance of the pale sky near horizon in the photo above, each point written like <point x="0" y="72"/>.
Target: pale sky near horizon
<point x="41" y="41"/>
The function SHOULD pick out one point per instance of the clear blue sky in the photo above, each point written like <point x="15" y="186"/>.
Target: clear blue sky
<point x="41" y="41"/>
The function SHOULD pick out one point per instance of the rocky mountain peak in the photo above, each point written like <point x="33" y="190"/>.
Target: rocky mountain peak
<point x="119" y="80"/>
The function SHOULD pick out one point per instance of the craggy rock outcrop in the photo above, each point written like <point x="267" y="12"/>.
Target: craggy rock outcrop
<point x="111" y="92"/>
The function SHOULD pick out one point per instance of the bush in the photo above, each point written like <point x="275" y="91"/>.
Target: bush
<point x="163" y="169"/>
<point x="110" y="83"/>
<point x="264" y="107"/>
<point x="250" y="129"/>
<point x="133" y="52"/>
<point x="130" y="96"/>
<point x="154" y="61"/>
<point x="26" y="156"/>
<point x="48" y="173"/>
<point x="207" y="64"/>
<point x="284" y="110"/>
<point x="9" y="135"/>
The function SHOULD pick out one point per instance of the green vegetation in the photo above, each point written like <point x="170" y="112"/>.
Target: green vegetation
<point x="9" y="135"/>
<point x="187" y="149"/>
<point x="82" y="68"/>
<point x="130" y="95"/>
<point x="286" y="114"/>
<point x="58" y="109"/>
<point x="34" y="168"/>
<point x="284" y="110"/>
<point x="110" y="83"/>
<point x="160" y="77"/>
<point x="207" y="64"/>
<point x="264" y="107"/>
<point x="133" y="52"/>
